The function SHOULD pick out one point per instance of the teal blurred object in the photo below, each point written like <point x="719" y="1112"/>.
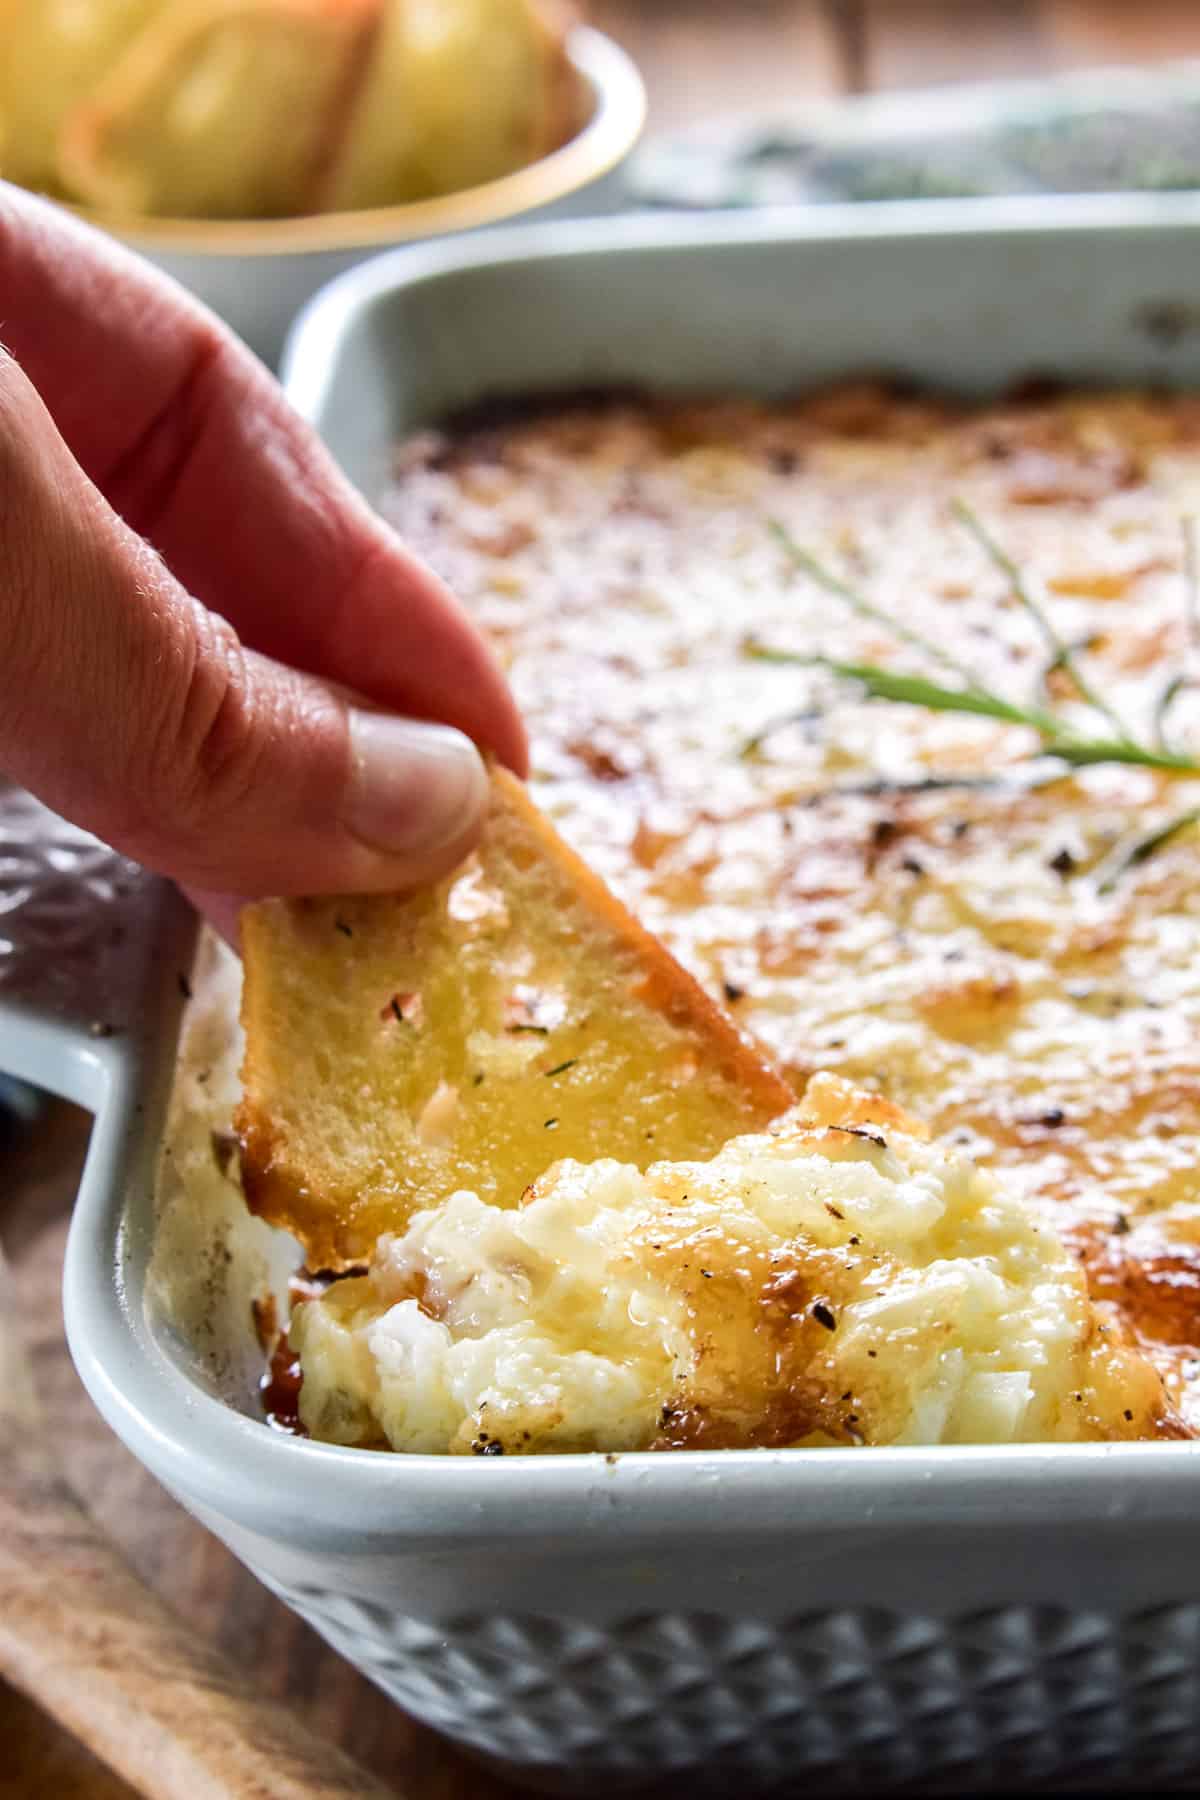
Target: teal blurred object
<point x="1102" y="131"/>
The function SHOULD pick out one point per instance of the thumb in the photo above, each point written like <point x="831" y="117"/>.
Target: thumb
<point x="131" y="709"/>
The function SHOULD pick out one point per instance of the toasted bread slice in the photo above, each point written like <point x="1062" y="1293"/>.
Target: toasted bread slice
<point x="373" y="165"/>
<point x="51" y="58"/>
<point x="459" y="92"/>
<point x="221" y="109"/>
<point x="398" y="1049"/>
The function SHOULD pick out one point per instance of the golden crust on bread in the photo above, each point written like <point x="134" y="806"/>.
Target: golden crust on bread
<point x="262" y="108"/>
<point x="220" y="109"/>
<point x="400" y="1048"/>
<point x="948" y="945"/>
<point x="481" y="80"/>
<point x="458" y="92"/>
<point x="45" y="71"/>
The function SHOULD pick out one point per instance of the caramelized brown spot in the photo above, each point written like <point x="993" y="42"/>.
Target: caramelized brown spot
<point x="279" y="1389"/>
<point x="1154" y="1283"/>
<point x="224" y="1149"/>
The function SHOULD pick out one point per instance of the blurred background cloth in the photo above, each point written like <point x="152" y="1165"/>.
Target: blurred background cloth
<point x="704" y="59"/>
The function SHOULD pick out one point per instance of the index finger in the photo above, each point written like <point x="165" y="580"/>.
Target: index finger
<point x="193" y="442"/>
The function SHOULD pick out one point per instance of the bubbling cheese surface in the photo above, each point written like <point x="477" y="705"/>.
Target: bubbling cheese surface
<point x="836" y="1280"/>
<point x="879" y="890"/>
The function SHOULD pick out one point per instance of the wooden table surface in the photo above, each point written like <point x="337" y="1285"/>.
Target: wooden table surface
<point x="701" y="58"/>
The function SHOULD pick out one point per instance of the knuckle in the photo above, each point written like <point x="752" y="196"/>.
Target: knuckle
<point x="212" y="745"/>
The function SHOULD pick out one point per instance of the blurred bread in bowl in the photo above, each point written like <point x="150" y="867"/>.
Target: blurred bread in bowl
<point x="54" y="55"/>
<point x="455" y="93"/>
<point x="226" y="109"/>
<point x="218" y="109"/>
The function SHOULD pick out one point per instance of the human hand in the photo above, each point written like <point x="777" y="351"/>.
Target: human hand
<point x="244" y="705"/>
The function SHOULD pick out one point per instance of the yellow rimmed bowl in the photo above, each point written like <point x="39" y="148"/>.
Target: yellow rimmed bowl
<point x="258" y="273"/>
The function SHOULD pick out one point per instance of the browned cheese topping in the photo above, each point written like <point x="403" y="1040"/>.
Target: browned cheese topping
<point x="951" y="947"/>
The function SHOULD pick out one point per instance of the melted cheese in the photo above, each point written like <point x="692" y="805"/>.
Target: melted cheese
<point x="835" y="1280"/>
<point x="949" y="947"/>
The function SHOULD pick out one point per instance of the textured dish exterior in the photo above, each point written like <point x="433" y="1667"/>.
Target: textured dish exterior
<point x="854" y="1700"/>
<point x="965" y="1618"/>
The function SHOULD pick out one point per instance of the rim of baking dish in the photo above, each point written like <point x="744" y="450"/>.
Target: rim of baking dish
<point x="324" y="319"/>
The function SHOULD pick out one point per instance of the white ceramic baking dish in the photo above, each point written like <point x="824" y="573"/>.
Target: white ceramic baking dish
<point x="956" y="1620"/>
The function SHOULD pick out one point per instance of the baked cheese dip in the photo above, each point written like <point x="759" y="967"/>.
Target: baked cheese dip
<point x="836" y="1280"/>
<point x="907" y="898"/>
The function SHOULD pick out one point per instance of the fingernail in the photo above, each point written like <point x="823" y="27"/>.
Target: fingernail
<point x="415" y="787"/>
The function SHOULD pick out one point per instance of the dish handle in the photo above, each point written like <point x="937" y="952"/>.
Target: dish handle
<point x="94" y="959"/>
